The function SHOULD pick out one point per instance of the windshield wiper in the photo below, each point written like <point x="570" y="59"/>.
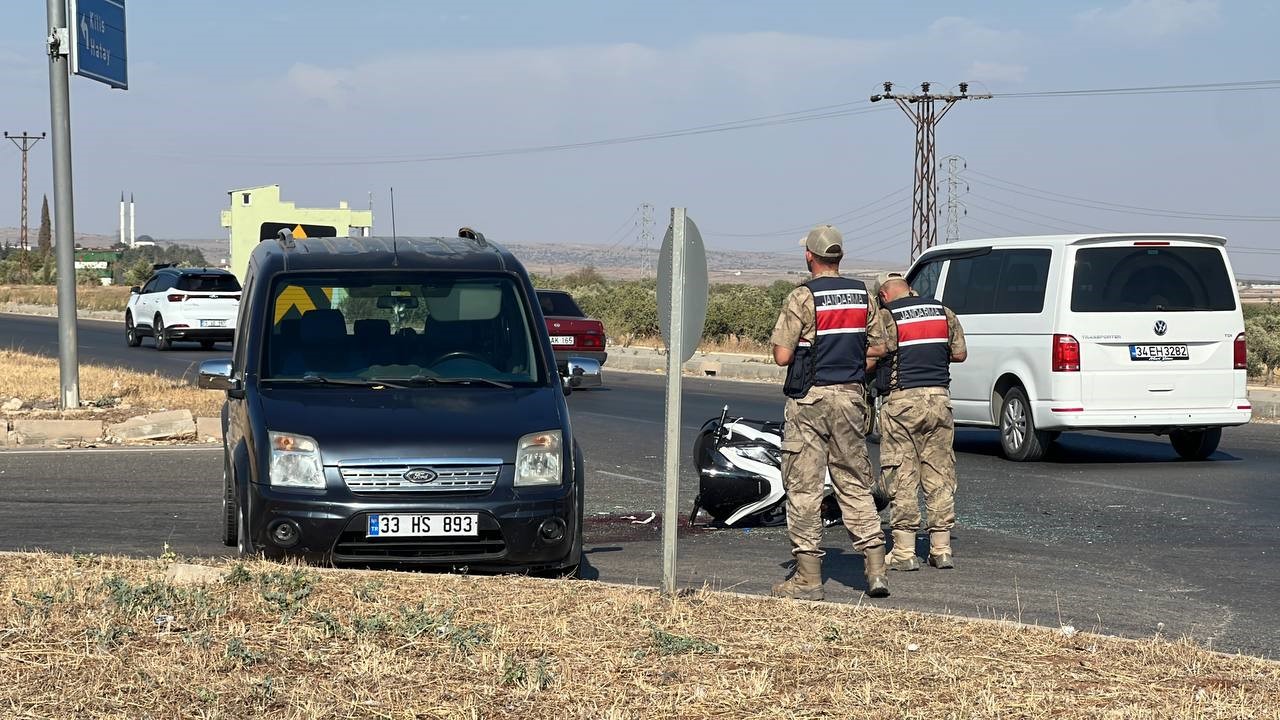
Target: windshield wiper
<point x="313" y="379"/>
<point x="428" y="380"/>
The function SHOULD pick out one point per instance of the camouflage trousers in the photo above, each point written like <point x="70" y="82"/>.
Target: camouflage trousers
<point x="916" y="454"/>
<point x="824" y="432"/>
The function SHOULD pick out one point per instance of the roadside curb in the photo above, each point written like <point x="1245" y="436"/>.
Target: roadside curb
<point x="726" y="366"/>
<point x="140" y="430"/>
<point x="43" y="311"/>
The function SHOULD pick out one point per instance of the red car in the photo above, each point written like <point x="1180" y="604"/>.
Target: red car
<point x="573" y="334"/>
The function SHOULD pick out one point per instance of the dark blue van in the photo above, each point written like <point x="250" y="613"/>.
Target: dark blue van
<point x="397" y="402"/>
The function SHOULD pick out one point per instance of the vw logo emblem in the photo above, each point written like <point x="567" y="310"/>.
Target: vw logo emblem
<point x="1161" y="327"/>
<point x="421" y="476"/>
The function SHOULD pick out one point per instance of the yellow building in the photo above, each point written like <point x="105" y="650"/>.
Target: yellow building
<point x="257" y="214"/>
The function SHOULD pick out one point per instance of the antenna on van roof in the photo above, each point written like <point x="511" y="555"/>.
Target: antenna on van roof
<point x="395" y="253"/>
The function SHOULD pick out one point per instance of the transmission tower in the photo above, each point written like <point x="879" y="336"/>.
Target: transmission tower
<point x="955" y="208"/>
<point x="24" y="142"/>
<point x="646" y="235"/>
<point x="922" y="108"/>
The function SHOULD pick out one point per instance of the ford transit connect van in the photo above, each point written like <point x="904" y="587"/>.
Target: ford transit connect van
<point x="1126" y="333"/>
<point x="397" y="402"/>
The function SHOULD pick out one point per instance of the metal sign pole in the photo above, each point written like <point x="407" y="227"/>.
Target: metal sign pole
<point x="64" y="225"/>
<point x="675" y="362"/>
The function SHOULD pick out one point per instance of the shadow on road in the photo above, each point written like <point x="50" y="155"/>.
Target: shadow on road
<point x="1085" y="449"/>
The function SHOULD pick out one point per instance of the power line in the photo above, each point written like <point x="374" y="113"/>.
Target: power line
<point x="842" y="217"/>
<point x="800" y="116"/>
<point x="1035" y="214"/>
<point x="1244" y="86"/>
<point x="1063" y="198"/>
<point x="621" y="227"/>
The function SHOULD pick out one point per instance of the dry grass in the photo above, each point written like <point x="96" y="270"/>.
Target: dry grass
<point x="34" y="379"/>
<point x="91" y="637"/>
<point x="88" y="297"/>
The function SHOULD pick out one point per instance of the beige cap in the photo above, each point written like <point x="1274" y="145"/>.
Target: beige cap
<point x="824" y="241"/>
<point x="885" y="277"/>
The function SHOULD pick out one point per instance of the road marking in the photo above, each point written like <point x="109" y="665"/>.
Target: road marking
<point x="628" y="477"/>
<point x="180" y="448"/>
<point x="1180" y="496"/>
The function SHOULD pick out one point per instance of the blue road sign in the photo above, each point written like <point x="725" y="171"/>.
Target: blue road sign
<point x="98" y="41"/>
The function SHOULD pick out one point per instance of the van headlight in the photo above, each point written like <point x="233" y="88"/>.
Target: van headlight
<point x="538" y="458"/>
<point x="295" y="462"/>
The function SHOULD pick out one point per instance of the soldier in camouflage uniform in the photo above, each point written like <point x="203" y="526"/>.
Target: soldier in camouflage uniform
<point x="827" y="329"/>
<point x="922" y="338"/>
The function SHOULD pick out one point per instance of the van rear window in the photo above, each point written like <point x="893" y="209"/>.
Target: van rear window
<point x="1151" y="279"/>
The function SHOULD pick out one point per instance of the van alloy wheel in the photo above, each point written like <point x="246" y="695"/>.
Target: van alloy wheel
<point x="1013" y="424"/>
<point x="1019" y="438"/>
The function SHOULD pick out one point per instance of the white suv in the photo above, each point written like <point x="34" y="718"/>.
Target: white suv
<point x="1126" y="333"/>
<point x="195" y="304"/>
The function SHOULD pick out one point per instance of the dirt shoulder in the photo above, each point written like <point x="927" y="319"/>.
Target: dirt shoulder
<point x="94" y="636"/>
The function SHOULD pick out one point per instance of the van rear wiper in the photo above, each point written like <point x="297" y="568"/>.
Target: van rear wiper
<point x="314" y="379"/>
<point x="429" y="380"/>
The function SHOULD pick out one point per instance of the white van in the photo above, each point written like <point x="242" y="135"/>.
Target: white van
<point x="1126" y="333"/>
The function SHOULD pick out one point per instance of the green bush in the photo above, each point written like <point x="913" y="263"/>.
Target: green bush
<point x="1262" y="332"/>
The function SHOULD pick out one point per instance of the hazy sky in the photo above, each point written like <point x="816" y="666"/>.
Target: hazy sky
<point x="232" y="93"/>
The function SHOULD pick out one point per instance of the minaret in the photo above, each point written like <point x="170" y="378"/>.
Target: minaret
<point x="133" y="237"/>
<point x="122" y="236"/>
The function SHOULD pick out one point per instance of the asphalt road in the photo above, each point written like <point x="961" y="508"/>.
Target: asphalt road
<point x="1110" y="533"/>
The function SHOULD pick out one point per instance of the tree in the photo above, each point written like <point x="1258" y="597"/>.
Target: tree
<point x="46" y="229"/>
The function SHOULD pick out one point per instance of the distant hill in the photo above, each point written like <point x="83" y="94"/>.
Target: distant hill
<point x="620" y="263"/>
<point x="11" y="235"/>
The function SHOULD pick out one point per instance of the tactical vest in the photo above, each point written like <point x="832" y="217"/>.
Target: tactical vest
<point x="838" y="354"/>
<point x="923" y="358"/>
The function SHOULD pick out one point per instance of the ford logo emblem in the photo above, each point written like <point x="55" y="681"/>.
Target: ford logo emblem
<point x="1161" y="327"/>
<point x="421" y="476"/>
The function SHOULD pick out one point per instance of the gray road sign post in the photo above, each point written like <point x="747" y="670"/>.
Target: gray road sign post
<point x="88" y="41"/>
<point x="64" y="214"/>
<point x="682" y="310"/>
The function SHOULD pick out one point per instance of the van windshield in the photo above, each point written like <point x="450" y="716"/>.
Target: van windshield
<point x="401" y="327"/>
<point x="1151" y="279"/>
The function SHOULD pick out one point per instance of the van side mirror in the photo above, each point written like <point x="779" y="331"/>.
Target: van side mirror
<point x="584" y="373"/>
<point x="216" y="375"/>
<point x="135" y="290"/>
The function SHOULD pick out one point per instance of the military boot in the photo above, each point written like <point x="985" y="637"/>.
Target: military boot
<point x="940" y="550"/>
<point x="805" y="583"/>
<point x="874" y="569"/>
<point x="903" y="557"/>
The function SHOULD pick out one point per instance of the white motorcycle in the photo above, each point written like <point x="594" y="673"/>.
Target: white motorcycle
<point x="739" y="465"/>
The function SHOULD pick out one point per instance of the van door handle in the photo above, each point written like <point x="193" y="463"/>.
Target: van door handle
<point x="1159" y="388"/>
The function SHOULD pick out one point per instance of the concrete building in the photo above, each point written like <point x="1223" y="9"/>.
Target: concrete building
<point x="258" y="214"/>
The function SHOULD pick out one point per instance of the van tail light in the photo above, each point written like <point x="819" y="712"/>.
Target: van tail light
<point x="1066" y="354"/>
<point x="177" y="298"/>
<point x="1242" y="353"/>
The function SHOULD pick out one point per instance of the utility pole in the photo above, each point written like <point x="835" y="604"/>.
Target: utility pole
<point x="646" y="233"/>
<point x="24" y="142"/>
<point x="955" y="208"/>
<point x="923" y="111"/>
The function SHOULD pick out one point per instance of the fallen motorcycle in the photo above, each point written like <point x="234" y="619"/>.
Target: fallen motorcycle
<point x="739" y="464"/>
